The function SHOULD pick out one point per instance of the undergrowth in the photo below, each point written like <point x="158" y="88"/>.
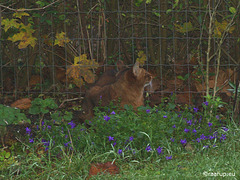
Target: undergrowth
<point x="151" y="142"/>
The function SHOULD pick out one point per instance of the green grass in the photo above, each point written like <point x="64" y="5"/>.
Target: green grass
<point x="223" y="158"/>
<point x="61" y="150"/>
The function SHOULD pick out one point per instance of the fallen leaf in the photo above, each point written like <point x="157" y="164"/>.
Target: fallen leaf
<point x="24" y="103"/>
<point x="98" y="168"/>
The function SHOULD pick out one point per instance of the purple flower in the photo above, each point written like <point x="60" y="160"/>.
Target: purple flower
<point x="37" y="127"/>
<point x="195" y="110"/>
<point x="206" y="103"/>
<point x="106" y="118"/>
<point x="131" y="138"/>
<point x="206" y="147"/>
<point x="160" y="150"/>
<point x="214" y="145"/>
<point x="110" y="138"/>
<point x="101" y="97"/>
<point x="198" y="139"/>
<point x="209" y="124"/>
<point x="42" y="123"/>
<point x="168" y="157"/>
<point x="225" y="129"/>
<point x="46" y="148"/>
<point x="186" y="130"/>
<point x="203" y="137"/>
<point x="148" y="148"/>
<point x="164" y="116"/>
<point x="189" y="122"/>
<point x="174" y="126"/>
<point x="211" y="137"/>
<point x="148" y="111"/>
<point x="114" y="144"/>
<point x="66" y="144"/>
<point x="179" y="115"/>
<point x="31" y="140"/>
<point x="113" y="112"/>
<point x="46" y="143"/>
<point x="183" y="141"/>
<point x="72" y="124"/>
<point x="49" y="127"/>
<point x="217" y="116"/>
<point x="120" y="151"/>
<point x="28" y="130"/>
<point x="223" y="137"/>
<point x="172" y="139"/>
<point x="194" y="131"/>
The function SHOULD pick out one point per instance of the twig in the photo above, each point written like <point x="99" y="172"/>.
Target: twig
<point x="21" y="142"/>
<point x="219" y="49"/>
<point x="68" y="100"/>
<point x="34" y="9"/>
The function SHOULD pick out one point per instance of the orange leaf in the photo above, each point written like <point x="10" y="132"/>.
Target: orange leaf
<point x="24" y="103"/>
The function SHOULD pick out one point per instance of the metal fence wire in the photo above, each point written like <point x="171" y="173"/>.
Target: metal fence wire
<point x="60" y="47"/>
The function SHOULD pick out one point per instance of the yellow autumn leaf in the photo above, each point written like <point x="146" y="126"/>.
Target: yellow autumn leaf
<point x="82" y="69"/>
<point x="186" y="27"/>
<point x="27" y="28"/>
<point x="82" y="60"/>
<point x="89" y="76"/>
<point x="27" y="41"/>
<point x="20" y="14"/>
<point x="17" y="37"/>
<point x="9" y="24"/>
<point x="221" y="27"/>
<point x="24" y="38"/>
<point x="141" y="58"/>
<point x="78" y="82"/>
<point x="61" y="39"/>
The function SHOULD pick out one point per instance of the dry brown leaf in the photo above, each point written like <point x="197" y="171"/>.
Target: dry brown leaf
<point x="98" y="168"/>
<point x="24" y="103"/>
<point x="222" y="82"/>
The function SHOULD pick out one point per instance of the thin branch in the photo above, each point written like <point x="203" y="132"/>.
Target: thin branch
<point x="34" y="9"/>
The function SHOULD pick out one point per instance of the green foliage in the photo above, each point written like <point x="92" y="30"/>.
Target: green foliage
<point x="42" y="106"/>
<point x="59" y="116"/>
<point x="233" y="90"/>
<point x="4" y="155"/>
<point x="137" y="135"/>
<point x="9" y="115"/>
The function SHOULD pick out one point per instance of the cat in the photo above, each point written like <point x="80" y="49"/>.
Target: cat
<point x="110" y="76"/>
<point x="128" y="86"/>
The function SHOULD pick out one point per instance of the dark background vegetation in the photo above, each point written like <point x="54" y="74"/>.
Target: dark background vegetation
<point x="172" y="34"/>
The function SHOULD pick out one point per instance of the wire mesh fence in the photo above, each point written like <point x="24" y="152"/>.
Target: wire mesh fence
<point x="60" y="47"/>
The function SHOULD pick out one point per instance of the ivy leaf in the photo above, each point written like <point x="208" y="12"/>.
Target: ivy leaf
<point x="148" y="1"/>
<point x="61" y="39"/>
<point x="41" y="3"/>
<point x="175" y="4"/>
<point x="232" y="10"/>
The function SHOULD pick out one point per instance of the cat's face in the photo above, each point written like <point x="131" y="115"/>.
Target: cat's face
<point x="143" y="76"/>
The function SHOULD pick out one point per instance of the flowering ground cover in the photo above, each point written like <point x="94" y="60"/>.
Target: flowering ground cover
<point x="158" y="142"/>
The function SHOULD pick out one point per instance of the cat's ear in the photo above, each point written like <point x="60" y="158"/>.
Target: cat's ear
<point x="136" y="69"/>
